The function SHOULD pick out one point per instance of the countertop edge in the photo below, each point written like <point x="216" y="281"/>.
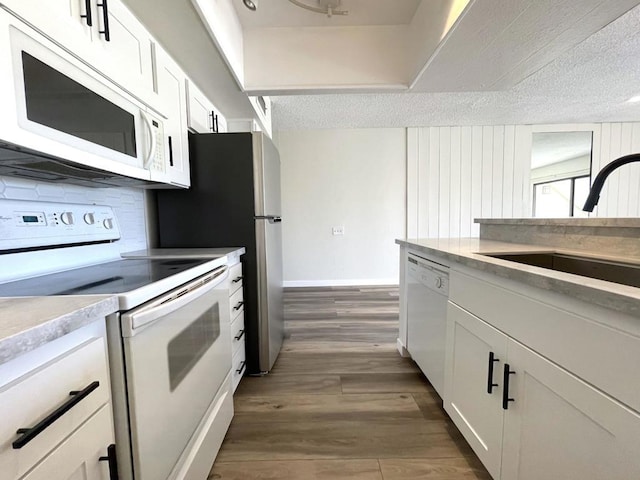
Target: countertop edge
<point x="93" y="308"/>
<point x="626" y="300"/>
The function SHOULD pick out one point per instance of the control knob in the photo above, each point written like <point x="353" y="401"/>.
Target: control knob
<point x="67" y="218"/>
<point x="89" y="218"/>
<point x="108" y="223"/>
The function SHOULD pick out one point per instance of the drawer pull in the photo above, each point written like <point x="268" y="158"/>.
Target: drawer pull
<point x="29" y="434"/>
<point x="237" y="279"/>
<point x="243" y="365"/>
<point x="240" y="335"/>
<point x="113" y="462"/>
<point x="87" y="15"/>
<point x="490" y="384"/>
<point x="238" y="306"/>
<point x="505" y="387"/>
<point x="105" y="20"/>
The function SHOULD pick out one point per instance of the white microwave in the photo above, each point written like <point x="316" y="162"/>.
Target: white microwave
<point x="54" y="106"/>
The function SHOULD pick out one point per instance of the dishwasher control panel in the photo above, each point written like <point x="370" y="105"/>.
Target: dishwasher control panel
<point x="29" y="224"/>
<point x="431" y="274"/>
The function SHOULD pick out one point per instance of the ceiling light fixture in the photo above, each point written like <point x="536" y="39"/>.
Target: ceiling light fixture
<point x="634" y="99"/>
<point x="251" y="4"/>
<point x="326" y="7"/>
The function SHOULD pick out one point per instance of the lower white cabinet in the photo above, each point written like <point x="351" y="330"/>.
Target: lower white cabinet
<point x="526" y="417"/>
<point x="236" y="307"/>
<point x="57" y="419"/>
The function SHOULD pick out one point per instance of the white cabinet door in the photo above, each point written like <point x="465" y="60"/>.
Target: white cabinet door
<point x="126" y="58"/>
<point x="65" y="21"/>
<point x="560" y="428"/>
<point x="202" y="115"/>
<point x="471" y="345"/>
<point x="78" y="457"/>
<point x="172" y="96"/>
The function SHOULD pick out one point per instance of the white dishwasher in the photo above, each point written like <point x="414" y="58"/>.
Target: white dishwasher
<point x="427" y="295"/>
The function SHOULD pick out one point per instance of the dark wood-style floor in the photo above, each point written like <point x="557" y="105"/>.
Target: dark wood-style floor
<point x="340" y="402"/>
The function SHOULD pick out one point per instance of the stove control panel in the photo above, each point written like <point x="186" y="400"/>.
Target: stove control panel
<point x="27" y="225"/>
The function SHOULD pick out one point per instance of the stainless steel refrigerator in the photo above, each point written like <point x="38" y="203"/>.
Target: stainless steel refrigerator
<point x="234" y="200"/>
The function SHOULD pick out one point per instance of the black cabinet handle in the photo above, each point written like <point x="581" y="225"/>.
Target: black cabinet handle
<point x="242" y="367"/>
<point x="113" y="462"/>
<point x="170" y="151"/>
<point x="505" y="386"/>
<point x="29" y="434"/>
<point x="215" y="124"/>
<point x="240" y="335"/>
<point x="88" y="15"/>
<point x="490" y="384"/>
<point x="237" y="279"/>
<point x="105" y="20"/>
<point x="238" y="306"/>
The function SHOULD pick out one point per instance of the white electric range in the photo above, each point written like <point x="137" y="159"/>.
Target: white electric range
<point x="169" y="344"/>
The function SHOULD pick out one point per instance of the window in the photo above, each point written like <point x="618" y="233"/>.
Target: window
<point x="561" y="198"/>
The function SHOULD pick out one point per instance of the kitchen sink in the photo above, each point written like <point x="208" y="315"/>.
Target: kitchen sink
<point x="611" y="271"/>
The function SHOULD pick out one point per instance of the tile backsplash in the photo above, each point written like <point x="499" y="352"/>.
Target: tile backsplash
<point x="128" y="204"/>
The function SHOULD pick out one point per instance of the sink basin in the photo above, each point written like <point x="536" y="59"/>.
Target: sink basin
<point x="611" y="271"/>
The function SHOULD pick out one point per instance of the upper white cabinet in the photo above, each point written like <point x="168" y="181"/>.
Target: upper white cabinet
<point x="203" y="116"/>
<point x="262" y="107"/>
<point x="172" y="97"/>
<point x="103" y="33"/>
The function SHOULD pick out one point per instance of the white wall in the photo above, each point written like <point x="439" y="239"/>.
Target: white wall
<point x="351" y="178"/>
<point x="128" y="205"/>
<point x="456" y="174"/>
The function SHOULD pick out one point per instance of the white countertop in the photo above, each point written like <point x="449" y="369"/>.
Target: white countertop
<point x="29" y="322"/>
<point x="468" y="252"/>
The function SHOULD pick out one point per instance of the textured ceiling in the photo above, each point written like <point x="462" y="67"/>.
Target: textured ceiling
<point x="589" y="83"/>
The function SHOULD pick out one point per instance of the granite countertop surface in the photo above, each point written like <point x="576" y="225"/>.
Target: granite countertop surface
<point x="29" y="322"/>
<point x="469" y="252"/>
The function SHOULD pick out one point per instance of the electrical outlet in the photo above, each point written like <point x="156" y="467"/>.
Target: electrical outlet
<point x="337" y="230"/>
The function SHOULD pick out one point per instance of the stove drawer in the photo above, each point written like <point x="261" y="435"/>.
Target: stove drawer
<point x="236" y="279"/>
<point x="40" y="400"/>
<point x="237" y="333"/>
<point x="236" y="304"/>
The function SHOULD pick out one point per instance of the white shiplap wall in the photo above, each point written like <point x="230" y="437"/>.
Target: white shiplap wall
<point x="456" y="174"/>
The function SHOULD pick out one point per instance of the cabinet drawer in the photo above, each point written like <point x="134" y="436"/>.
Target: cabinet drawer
<point x="237" y="333"/>
<point x="78" y="456"/>
<point x="235" y="274"/>
<point x="236" y="304"/>
<point x="238" y="367"/>
<point x="32" y="398"/>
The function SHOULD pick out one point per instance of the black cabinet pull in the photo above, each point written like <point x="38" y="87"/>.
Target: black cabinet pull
<point x="170" y="151"/>
<point x="505" y="386"/>
<point x="238" y="306"/>
<point x="212" y="127"/>
<point x="113" y="462"/>
<point x="237" y="279"/>
<point x="240" y="335"/>
<point x="490" y="384"/>
<point x="29" y="434"/>
<point x="242" y="367"/>
<point x="215" y="124"/>
<point x="105" y="20"/>
<point x="87" y="15"/>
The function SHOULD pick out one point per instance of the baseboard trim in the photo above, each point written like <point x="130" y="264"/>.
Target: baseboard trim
<point x="340" y="283"/>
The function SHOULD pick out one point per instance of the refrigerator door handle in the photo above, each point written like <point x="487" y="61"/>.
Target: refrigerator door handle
<point x="271" y="218"/>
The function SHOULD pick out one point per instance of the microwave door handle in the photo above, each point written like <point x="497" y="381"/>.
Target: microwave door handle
<point x="152" y="140"/>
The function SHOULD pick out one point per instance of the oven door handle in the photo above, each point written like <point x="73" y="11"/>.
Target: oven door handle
<point x="172" y="301"/>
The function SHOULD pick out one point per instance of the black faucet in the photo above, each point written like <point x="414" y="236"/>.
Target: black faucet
<point x="598" y="183"/>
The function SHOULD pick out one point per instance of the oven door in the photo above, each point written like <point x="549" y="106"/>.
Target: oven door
<point x="177" y="352"/>
<point x="55" y="104"/>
